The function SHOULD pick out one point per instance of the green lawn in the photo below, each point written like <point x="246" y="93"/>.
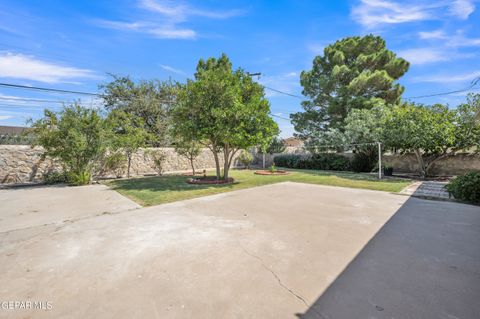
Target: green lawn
<point x="156" y="190"/>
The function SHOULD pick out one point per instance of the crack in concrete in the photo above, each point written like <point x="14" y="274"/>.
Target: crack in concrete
<point x="285" y="287"/>
<point x="276" y="276"/>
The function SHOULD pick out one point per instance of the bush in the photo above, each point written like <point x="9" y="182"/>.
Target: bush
<point x="245" y="158"/>
<point x="115" y="163"/>
<point x="466" y="187"/>
<point x="158" y="158"/>
<point x="363" y="162"/>
<point x="79" y="178"/>
<point x="53" y="177"/>
<point x="320" y="161"/>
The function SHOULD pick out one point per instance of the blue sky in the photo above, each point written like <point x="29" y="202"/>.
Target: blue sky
<point x="73" y="44"/>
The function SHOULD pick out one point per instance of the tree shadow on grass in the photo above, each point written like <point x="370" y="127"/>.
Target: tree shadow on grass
<point x="162" y="183"/>
<point x="350" y="175"/>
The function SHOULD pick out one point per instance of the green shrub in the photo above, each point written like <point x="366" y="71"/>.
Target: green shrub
<point x="245" y="159"/>
<point x="79" y="178"/>
<point x="466" y="187"/>
<point x="115" y="163"/>
<point x="363" y="162"/>
<point x="320" y="161"/>
<point x="53" y="177"/>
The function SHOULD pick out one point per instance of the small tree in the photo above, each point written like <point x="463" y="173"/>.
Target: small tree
<point x="431" y="133"/>
<point x="245" y="158"/>
<point x="225" y="110"/>
<point x="189" y="149"/>
<point x="127" y="133"/>
<point x="75" y="136"/>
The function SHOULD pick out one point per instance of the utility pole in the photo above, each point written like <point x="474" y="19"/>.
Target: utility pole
<point x="379" y="160"/>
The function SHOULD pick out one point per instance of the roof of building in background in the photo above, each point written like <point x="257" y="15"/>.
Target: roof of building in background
<point x="292" y="141"/>
<point x="11" y="130"/>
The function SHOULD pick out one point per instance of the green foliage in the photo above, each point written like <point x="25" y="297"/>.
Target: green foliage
<point x="272" y="168"/>
<point x="75" y="136"/>
<point x="364" y="162"/>
<point x="115" y="162"/>
<point x="188" y="148"/>
<point x="79" y="178"/>
<point x="466" y="187"/>
<point x="276" y="146"/>
<point x="431" y="133"/>
<point x="353" y="73"/>
<point x="245" y="158"/>
<point x="223" y="109"/>
<point x="158" y="158"/>
<point x="126" y="133"/>
<point x="320" y="161"/>
<point x="54" y="177"/>
<point x="149" y="100"/>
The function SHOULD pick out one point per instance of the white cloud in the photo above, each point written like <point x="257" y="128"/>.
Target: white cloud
<point x="180" y="12"/>
<point x="172" y="33"/>
<point x="429" y="35"/>
<point x="371" y="13"/>
<point x="5" y="117"/>
<point x="423" y="55"/>
<point x="172" y="69"/>
<point x="167" y="31"/>
<point x="460" y="40"/>
<point x="448" y="78"/>
<point x="27" y="67"/>
<point x="431" y="55"/>
<point x="462" y="8"/>
<point x="168" y="15"/>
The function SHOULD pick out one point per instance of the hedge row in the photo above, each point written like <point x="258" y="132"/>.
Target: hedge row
<point x="322" y="161"/>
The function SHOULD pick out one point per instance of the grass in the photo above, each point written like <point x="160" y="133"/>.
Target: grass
<point x="156" y="190"/>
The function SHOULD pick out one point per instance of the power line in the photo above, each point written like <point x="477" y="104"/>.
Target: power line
<point x="470" y="87"/>
<point x="280" y="117"/>
<point x="17" y="86"/>
<point x="285" y="93"/>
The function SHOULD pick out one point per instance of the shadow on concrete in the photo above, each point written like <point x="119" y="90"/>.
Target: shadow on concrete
<point x="423" y="263"/>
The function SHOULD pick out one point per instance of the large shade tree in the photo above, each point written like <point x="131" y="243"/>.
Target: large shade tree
<point x="150" y="100"/>
<point x="353" y="73"/>
<point x="225" y="110"/>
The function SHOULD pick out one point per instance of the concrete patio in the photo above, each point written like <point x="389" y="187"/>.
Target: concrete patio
<point x="280" y="251"/>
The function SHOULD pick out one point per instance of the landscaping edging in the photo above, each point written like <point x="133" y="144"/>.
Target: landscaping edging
<point x="267" y="172"/>
<point x="210" y="180"/>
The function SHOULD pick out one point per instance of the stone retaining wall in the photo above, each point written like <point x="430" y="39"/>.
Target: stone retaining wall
<point x="23" y="164"/>
<point x="452" y="165"/>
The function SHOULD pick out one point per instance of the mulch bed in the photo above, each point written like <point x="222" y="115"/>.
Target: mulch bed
<point x="266" y="172"/>
<point x="209" y="180"/>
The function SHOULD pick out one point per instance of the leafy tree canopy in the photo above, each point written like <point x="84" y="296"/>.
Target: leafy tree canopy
<point x="126" y="133"/>
<point x="353" y="73"/>
<point x="149" y="100"/>
<point x="224" y="109"/>
<point x="75" y="136"/>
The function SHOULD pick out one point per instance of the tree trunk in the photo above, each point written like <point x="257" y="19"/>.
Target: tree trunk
<point x="226" y="163"/>
<point x="193" y="166"/>
<point x="129" y="157"/>
<point x="421" y="164"/>
<point x="217" y="163"/>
